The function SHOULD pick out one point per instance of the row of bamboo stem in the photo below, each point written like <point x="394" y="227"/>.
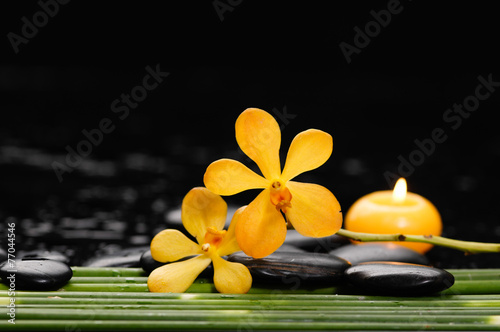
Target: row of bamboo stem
<point x="117" y="299"/>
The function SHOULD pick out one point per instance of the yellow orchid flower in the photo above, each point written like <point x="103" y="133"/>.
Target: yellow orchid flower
<point x="312" y="209"/>
<point x="203" y="215"/>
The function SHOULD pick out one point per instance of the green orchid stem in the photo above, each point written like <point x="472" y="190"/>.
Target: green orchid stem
<point x="466" y="246"/>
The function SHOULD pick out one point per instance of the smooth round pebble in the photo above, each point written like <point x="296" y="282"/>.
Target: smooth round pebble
<point x="387" y="252"/>
<point x="308" y="267"/>
<point x="322" y="244"/>
<point x="148" y="263"/>
<point x="36" y="274"/>
<point x="400" y="279"/>
<point x="130" y="257"/>
<point x="43" y="254"/>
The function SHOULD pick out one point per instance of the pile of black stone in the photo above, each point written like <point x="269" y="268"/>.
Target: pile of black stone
<point x="382" y="268"/>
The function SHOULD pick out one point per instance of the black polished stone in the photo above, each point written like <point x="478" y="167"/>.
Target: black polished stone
<point x="308" y="267"/>
<point x="387" y="252"/>
<point x="43" y="254"/>
<point x="148" y="263"/>
<point x="130" y="257"/>
<point x="322" y="244"/>
<point x="35" y="274"/>
<point x="399" y="279"/>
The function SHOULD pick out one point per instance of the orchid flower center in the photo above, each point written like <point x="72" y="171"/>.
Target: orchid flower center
<point x="213" y="238"/>
<point x="280" y="196"/>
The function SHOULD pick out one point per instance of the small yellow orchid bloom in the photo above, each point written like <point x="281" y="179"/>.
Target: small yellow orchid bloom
<point x="312" y="209"/>
<point x="203" y="215"/>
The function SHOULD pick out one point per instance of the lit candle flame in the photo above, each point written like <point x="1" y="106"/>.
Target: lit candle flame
<point x="399" y="192"/>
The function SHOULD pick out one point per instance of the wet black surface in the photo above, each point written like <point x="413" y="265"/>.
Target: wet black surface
<point x="284" y="58"/>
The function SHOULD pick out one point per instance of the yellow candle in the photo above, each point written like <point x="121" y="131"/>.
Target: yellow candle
<point x="394" y="212"/>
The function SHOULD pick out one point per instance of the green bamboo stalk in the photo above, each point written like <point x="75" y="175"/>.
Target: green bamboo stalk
<point x="100" y="287"/>
<point x="351" y="310"/>
<point x="110" y="280"/>
<point x="466" y="246"/>
<point x="470" y="277"/>
<point x="97" y="302"/>
<point x="83" y="271"/>
<point x="128" y="287"/>
<point x="460" y="287"/>
<point x="186" y="300"/>
<point x="474" y="271"/>
<point x="229" y="297"/>
<point x="486" y="274"/>
<point x="138" y="280"/>
<point x="474" y="287"/>
<point x="138" y="272"/>
<point x="202" y="285"/>
<point x="146" y="325"/>
<point x="462" y="310"/>
<point x="238" y="315"/>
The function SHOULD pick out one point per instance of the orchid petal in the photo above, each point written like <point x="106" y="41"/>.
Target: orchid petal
<point x="202" y="209"/>
<point x="259" y="137"/>
<point x="308" y="150"/>
<point x="177" y="277"/>
<point x="315" y="211"/>
<point x="261" y="229"/>
<point x="229" y="177"/>
<point x="171" y="245"/>
<point x="229" y="243"/>
<point x="230" y="277"/>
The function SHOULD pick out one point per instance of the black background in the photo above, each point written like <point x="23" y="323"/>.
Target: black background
<point x="275" y="56"/>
